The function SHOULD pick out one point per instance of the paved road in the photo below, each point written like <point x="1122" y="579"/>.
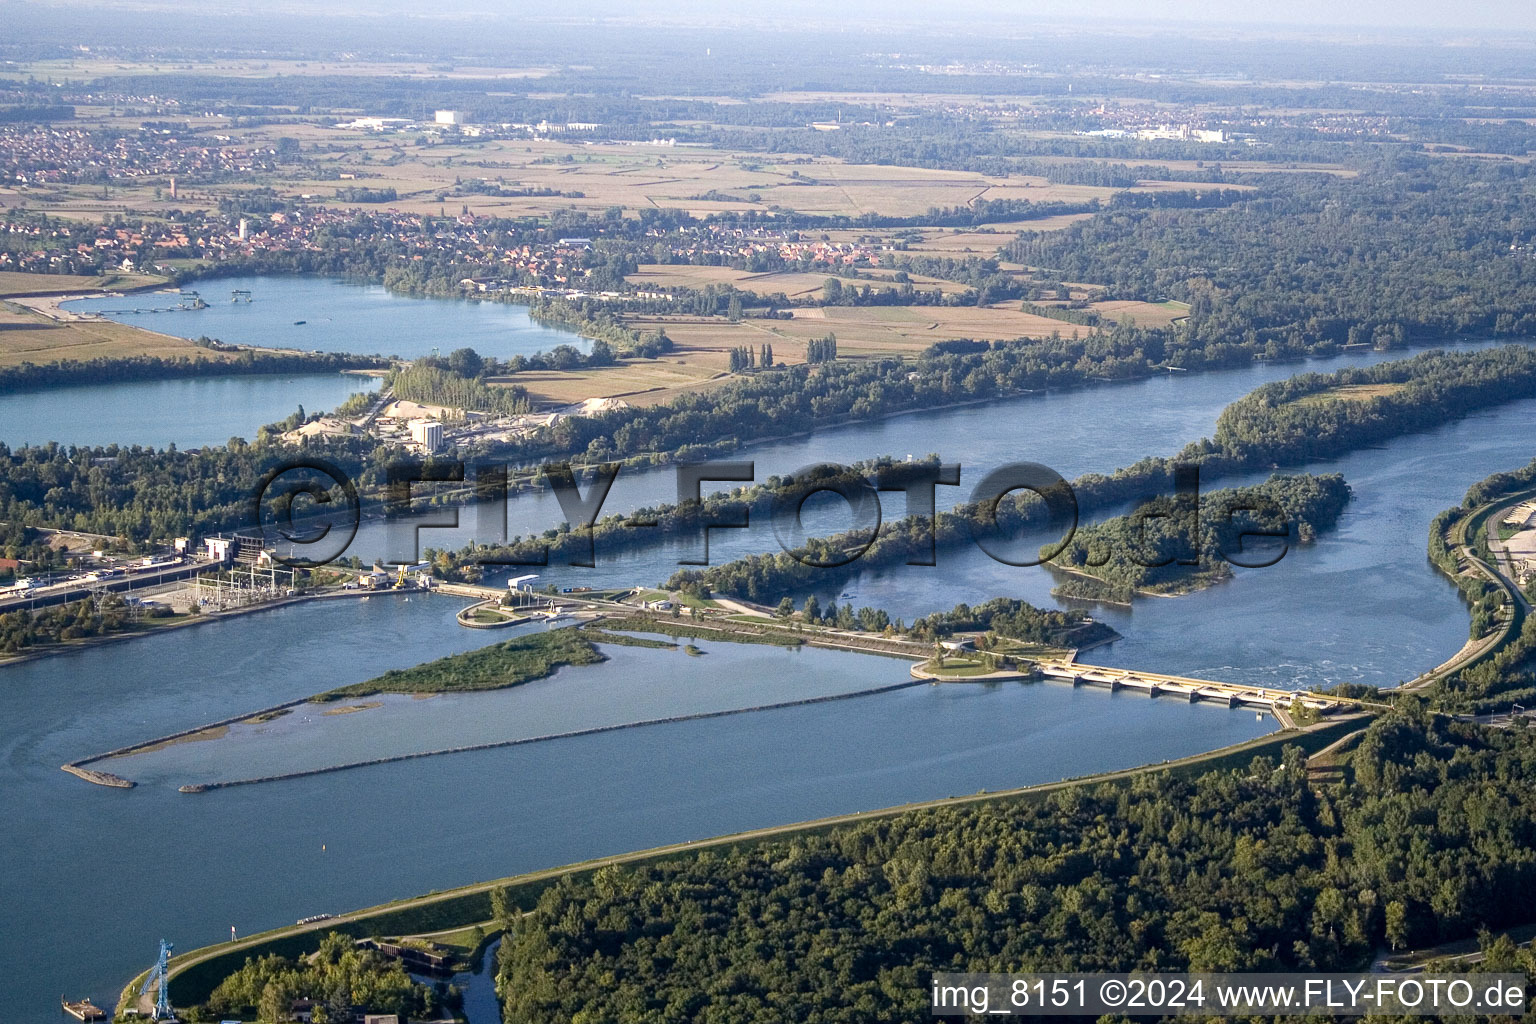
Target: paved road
<point x="1474" y="650"/>
<point x="41" y="597"/>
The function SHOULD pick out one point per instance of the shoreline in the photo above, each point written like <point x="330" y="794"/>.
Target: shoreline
<point x="872" y="646"/>
<point x="597" y="730"/>
<point x="1195" y="587"/>
<point x="654" y="459"/>
<point x="471" y="902"/>
<point x="51" y="307"/>
<point x="1475" y="649"/>
<point x="78" y="766"/>
<point x="69" y="646"/>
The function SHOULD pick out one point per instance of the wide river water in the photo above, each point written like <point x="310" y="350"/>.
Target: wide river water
<point x="96" y="876"/>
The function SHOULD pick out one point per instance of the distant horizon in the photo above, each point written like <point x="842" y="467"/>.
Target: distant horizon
<point x="1308" y="17"/>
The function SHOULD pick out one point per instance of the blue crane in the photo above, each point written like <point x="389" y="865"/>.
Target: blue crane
<point x="159" y="978"/>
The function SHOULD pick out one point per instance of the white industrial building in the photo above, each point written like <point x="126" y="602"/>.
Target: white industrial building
<point x="448" y="117"/>
<point x="220" y="549"/>
<point x="428" y="434"/>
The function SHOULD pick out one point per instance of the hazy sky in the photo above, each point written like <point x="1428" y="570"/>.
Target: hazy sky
<point x="1461" y="16"/>
<point x="1389" y="14"/>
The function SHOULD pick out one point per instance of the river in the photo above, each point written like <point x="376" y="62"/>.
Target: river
<point x="1375" y="559"/>
<point x="1092" y="429"/>
<point x="97" y="876"/>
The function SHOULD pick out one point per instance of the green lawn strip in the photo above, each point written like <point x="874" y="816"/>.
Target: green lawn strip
<point x="956" y="667"/>
<point x="602" y="636"/>
<point x="693" y="631"/>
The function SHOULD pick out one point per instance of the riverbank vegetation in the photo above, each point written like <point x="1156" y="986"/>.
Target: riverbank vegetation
<point x="1172" y="545"/>
<point x="1267" y="428"/>
<point x="140" y="493"/>
<point x="336" y="981"/>
<point x="511" y="663"/>
<point x="1002" y="618"/>
<point x="243" y="362"/>
<point x="734" y="632"/>
<point x="603" y="636"/>
<point x="1324" y="415"/>
<point x="1373" y="195"/>
<point x="1507" y="676"/>
<point x="24" y="630"/>
<point x="1239" y="870"/>
<point x="617" y="532"/>
<point x="1015" y="620"/>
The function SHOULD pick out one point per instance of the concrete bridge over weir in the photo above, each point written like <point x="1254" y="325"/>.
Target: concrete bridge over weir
<point x="1155" y="684"/>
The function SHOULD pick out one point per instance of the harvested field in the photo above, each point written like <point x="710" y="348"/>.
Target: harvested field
<point x="1350" y="393"/>
<point x="1142" y="314"/>
<point x="27" y="337"/>
<point x="794" y="285"/>
<point x="17" y="284"/>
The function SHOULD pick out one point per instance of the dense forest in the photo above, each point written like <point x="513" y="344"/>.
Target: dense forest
<point x="1245" y="869"/>
<point x="1411" y="247"/>
<point x="140" y="494"/>
<point x="1171" y="545"/>
<point x="1315" y="415"/>
<point x="339" y="977"/>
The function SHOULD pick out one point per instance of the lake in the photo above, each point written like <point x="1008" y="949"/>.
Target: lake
<point x="188" y="413"/>
<point x="338" y="316"/>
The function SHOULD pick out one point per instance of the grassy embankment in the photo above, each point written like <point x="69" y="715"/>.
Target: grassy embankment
<point x="511" y="663"/>
<point x="195" y="973"/>
<point x="760" y="631"/>
<point x="602" y="636"/>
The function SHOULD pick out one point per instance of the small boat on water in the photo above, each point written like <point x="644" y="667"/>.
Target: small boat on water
<point x="300" y="323"/>
<point x="84" y="1009"/>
